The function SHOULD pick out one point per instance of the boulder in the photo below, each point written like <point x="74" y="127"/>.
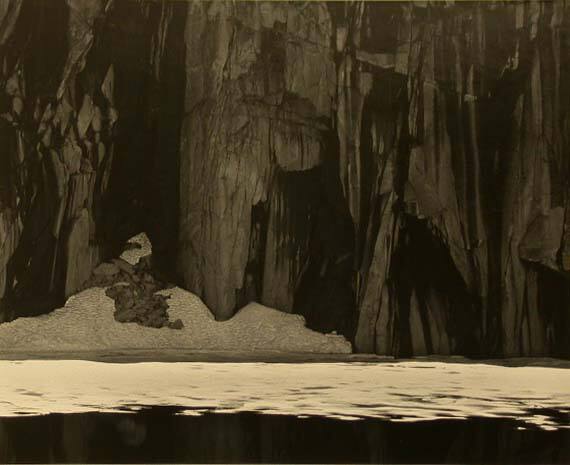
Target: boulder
<point x="106" y="269"/>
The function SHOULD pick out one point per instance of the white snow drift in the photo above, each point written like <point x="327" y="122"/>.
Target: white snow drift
<point x="86" y="322"/>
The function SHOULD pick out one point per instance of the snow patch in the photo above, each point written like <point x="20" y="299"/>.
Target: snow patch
<point x="86" y="322"/>
<point x="144" y="248"/>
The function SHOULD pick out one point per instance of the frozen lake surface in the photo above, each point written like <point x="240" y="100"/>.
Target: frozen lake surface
<point x="399" y="392"/>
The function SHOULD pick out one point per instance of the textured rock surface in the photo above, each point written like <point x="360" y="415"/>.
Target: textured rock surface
<point x="397" y="172"/>
<point x="443" y="128"/>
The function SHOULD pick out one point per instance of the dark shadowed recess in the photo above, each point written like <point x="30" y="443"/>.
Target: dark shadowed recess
<point x="325" y="294"/>
<point x="555" y="294"/>
<point x="143" y="193"/>
<point x="150" y="99"/>
<point x="30" y="267"/>
<point x="422" y="264"/>
<point x="157" y="435"/>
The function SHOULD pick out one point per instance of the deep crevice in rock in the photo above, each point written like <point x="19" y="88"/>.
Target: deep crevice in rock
<point x="325" y="294"/>
<point x="436" y="313"/>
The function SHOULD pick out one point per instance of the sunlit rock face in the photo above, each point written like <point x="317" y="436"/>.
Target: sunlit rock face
<point x="395" y="172"/>
<point x="413" y="156"/>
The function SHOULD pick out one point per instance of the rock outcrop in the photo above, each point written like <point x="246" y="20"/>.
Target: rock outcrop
<point x="397" y="172"/>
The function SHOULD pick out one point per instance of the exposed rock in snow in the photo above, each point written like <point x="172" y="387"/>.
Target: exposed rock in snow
<point x="134" y="303"/>
<point x="86" y="322"/>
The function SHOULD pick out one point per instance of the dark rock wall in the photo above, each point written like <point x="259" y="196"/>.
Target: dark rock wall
<point x="90" y="127"/>
<point x="56" y="124"/>
<point x="395" y="172"/>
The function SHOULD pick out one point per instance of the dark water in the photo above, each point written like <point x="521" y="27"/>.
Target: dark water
<point x="159" y="435"/>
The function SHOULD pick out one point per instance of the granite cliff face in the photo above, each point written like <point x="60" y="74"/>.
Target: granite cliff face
<point x="395" y="172"/>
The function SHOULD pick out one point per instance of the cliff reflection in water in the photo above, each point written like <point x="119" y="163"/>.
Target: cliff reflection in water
<point x="158" y="435"/>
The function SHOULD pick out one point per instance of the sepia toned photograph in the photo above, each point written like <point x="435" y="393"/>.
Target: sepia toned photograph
<point x="285" y="232"/>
